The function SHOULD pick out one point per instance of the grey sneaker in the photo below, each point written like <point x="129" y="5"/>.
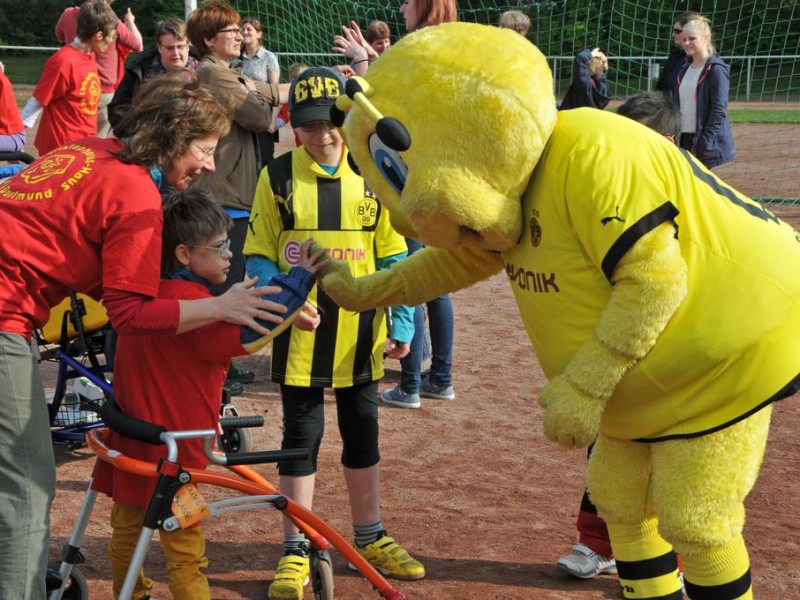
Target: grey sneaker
<point x="586" y="564"/>
<point x="397" y="397"/>
<point x="440" y="392"/>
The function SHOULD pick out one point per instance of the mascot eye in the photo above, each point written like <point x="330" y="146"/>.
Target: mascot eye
<point x="389" y="163"/>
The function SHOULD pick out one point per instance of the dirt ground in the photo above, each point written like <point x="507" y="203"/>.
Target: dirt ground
<point x="471" y="487"/>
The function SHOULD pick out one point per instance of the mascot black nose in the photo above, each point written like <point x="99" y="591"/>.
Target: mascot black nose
<point x="393" y="133"/>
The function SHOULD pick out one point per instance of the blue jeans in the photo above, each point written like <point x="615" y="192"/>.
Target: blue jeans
<point x="440" y="319"/>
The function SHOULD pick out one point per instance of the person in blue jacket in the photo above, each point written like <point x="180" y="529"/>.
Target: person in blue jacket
<point x="702" y="90"/>
<point x="589" y="85"/>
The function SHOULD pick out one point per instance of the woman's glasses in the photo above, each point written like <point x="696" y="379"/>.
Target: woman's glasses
<point x="206" y="153"/>
<point x="233" y="30"/>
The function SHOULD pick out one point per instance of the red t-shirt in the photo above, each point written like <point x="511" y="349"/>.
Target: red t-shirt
<point x="70" y="90"/>
<point x="173" y="380"/>
<point x="79" y="220"/>
<point x="10" y="119"/>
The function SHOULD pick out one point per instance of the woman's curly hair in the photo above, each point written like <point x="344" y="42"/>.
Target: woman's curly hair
<point x="166" y="115"/>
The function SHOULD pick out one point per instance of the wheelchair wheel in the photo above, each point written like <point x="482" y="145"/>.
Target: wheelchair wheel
<point x="322" y="575"/>
<point x="235" y="441"/>
<point x="77" y="587"/>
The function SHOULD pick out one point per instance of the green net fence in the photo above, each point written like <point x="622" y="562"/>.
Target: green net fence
<point x="760" y="40"/>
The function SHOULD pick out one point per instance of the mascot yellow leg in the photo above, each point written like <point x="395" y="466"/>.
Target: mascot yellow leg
<point x="696" y="488"/>
<point x="618" y="479"/>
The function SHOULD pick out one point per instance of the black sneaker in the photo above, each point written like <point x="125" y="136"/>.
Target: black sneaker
<point x="235" y="374"/>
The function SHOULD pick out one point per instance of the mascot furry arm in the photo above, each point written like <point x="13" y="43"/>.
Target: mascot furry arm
<point x="454" y="181"/>
<point x="649" y="285"/>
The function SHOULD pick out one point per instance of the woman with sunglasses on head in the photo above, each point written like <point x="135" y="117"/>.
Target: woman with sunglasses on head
<point x="171" y="53"/>
<point x="87" y="218"/>
<point x="676" y="56"/>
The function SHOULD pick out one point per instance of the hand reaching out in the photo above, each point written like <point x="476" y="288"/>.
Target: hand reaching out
<point x="352" y="44"/>
<point x="313" y="259"/>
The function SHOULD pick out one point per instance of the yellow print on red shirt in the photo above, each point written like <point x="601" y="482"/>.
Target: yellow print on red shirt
<point x="90" y="92"/>
<point x="65" y="167"/>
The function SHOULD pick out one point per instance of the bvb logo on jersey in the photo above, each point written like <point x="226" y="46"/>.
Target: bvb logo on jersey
<point x="536" y="231"/>
<point x="366" y="212"/>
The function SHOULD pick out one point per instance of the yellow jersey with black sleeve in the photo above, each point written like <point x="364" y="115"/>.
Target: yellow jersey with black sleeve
<point x="297" y="199"/>
<point x="598" y="190"/>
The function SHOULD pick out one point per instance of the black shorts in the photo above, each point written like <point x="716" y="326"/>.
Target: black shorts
<point x="304" y="424"/>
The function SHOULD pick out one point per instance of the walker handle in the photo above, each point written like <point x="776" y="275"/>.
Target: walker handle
<point x="241" y="422"/>
<point x="131" y="427"/>
<point x="266" y="456"/>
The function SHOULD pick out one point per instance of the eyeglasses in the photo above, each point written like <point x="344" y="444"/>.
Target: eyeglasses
<point x="207" y="153"/>
<point x="173" y="47"/>
<point x="315" y="126"/>
<point x="676" y="30"/>
<point x="234" y="30"/>
<point x="222" y="248"/>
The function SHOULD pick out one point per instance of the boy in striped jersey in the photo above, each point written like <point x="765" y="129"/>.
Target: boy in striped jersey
<point x="313" y="192"/>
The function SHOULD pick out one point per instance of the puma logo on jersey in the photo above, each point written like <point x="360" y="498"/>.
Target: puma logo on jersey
<point x="606" y="220"/>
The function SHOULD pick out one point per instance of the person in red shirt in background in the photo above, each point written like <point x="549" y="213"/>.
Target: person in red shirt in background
<point x="12" y="131"/>
<point x="69" y="89"/>
<point x="283" y="116"/>
<point x="110" y="61"/>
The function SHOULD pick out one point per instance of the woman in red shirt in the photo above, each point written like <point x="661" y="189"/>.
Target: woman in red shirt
<point x="87" y="217"/>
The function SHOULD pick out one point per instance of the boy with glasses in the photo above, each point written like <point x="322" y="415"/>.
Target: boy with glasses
<point x="176" y="381"/>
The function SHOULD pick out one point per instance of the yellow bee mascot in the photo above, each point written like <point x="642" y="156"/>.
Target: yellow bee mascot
<point x="663" y="304"/>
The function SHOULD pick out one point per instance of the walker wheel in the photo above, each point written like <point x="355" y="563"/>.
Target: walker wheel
<point x="235" y="441"/>
<point x="322" y="575"/>
<point x="77" y="587"/>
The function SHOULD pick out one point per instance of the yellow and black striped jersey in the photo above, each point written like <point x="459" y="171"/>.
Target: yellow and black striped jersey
<point x="295" y="200"/>
<point x="731" y="346"/>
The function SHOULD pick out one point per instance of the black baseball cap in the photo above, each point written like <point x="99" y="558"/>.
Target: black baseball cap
<point x="312" y="94"/>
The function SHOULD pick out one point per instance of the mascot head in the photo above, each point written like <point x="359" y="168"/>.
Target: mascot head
<point x="447" y="127"/>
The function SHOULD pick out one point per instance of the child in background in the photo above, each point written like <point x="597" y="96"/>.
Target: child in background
<point x="592" y="554"/>
<point x="283" y="116"/>
<point x="515" y="20"/>
<point x="379" y="36"/>
<point x="68" y="92"/>
<point x="176" y="381"/>
<point x="313" y="190"/>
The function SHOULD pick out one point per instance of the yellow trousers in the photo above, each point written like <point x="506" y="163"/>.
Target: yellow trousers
<point x="184" y="550"/>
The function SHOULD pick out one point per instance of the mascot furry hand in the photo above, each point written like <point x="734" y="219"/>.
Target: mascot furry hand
<point x="663" y="305"/>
